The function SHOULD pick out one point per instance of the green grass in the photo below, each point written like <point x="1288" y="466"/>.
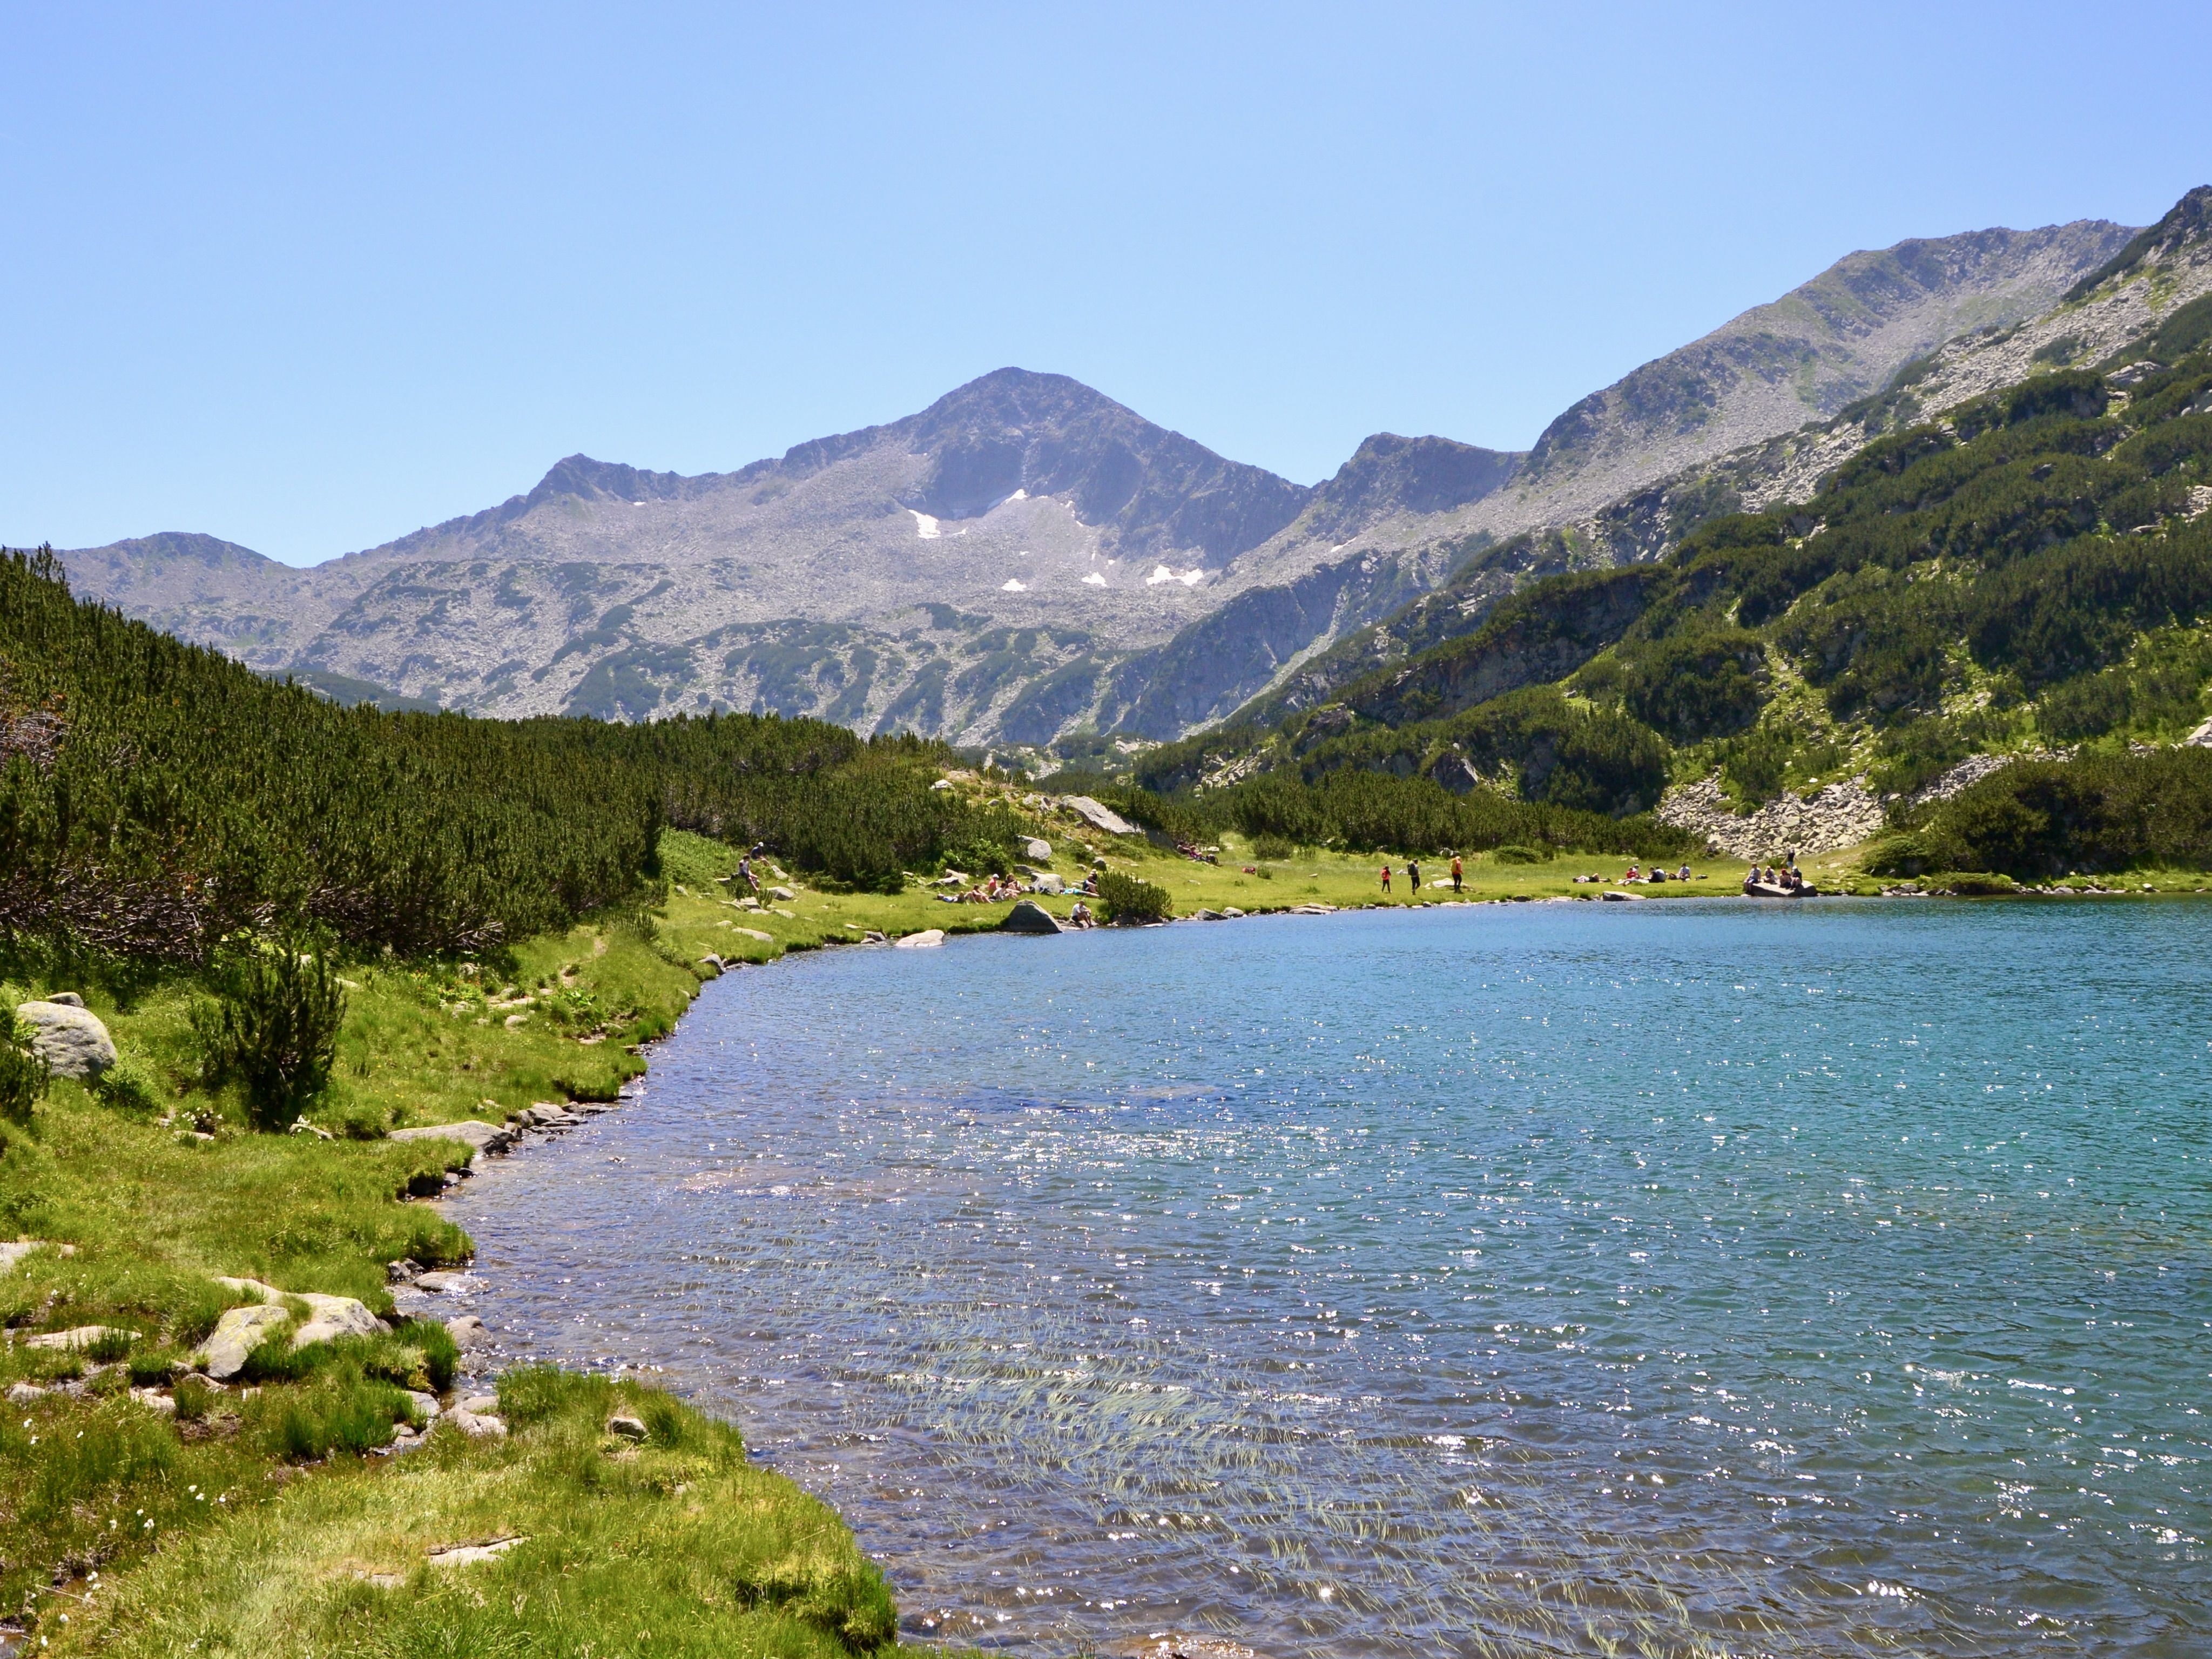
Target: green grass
<point x="674" y="1547"/>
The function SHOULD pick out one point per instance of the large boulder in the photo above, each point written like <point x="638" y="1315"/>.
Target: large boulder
<point x="1029" y="917"/>
<point x="1037" y="852"/>
<point x="238" y="1334"/>
<point x="241" y="1330"/>
<point x="1099" y="816"/>
<point x="69" y="1037"/>
<point x="921" y="941"/>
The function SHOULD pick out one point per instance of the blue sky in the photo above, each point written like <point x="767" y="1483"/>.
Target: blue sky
<point x="309" y="276"/>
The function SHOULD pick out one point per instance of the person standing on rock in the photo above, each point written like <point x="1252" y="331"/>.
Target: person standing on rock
<point x="1413" y="881"/>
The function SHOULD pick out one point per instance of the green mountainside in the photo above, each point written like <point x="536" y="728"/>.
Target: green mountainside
<point x="2022" y="575"/>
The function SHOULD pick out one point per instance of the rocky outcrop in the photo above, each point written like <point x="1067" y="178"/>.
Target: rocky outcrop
<point x="1838" y="815"/>
<point x="69" y="1037"/>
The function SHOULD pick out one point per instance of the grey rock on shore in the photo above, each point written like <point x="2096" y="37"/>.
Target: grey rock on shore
<point x="478" y="1136"/>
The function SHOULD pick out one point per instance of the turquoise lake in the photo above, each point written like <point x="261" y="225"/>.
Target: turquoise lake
<point x="1683" y="1278"/>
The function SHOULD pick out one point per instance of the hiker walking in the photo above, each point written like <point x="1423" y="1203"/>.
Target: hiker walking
<point x="1413" y="880"/>
<point x="1455" y="872"/>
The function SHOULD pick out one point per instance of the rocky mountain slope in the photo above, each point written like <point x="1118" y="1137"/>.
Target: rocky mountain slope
<point x="1027" y="557"/>
<point x="2007" y="553"/>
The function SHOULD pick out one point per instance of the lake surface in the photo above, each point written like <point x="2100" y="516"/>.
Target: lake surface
<point x="1683" y="1278"/>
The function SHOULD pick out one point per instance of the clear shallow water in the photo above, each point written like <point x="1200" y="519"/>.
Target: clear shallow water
<point x="1670" y="1278"/>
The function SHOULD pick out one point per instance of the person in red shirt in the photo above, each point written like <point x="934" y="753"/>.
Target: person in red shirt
<point x="1386" y="881"/>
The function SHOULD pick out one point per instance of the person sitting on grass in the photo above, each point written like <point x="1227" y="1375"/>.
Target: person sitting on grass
<point x="1632" y="875"/>
<point x="1683" y="874"/>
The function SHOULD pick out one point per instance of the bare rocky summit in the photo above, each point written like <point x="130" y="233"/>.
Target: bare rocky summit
<point x="1027" y="557"/>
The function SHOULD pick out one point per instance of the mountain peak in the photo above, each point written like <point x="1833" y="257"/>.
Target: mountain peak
<point x="2185" y="222"/>
<point x="1390" y="474"/>
<point x="580" y="476"/>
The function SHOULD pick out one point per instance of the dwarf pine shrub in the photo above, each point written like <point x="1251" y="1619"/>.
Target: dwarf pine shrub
<point x="1126" y="900"/>
<point x="23" y="1073"/>
<point x="275" y="1030"/>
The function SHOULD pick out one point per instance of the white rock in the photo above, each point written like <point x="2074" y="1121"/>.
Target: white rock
<point x="22" y="1394"/>
<point x="479" y="1137"/>
<point x="1037" y="852"/>
<point x="628" y="1428"/>
<point x="921" y="941"/>
<point x="783" y="893"/>
<point x="476" y="1427"/>
<point x="236" y="1334"/>
<point x="71" y="1040"/>
<point x="425" y="1405"/>
<point x="468" y="1331"/>
<point x="461" y="1555"/>
<point x="11" y="1253"/>
<point x="1099" y="816"/>
<point x="76" y="1337"/>
<point x="329" y="1318"/>
<point x="154" y="1401"/>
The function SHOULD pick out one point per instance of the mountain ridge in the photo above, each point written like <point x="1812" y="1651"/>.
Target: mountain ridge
<point x="1022" y="559"/>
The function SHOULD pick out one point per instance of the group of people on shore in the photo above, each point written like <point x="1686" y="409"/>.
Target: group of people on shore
<point x="1413" y="878"/>
<point x="1784" y="875"/>
<point x="998" y="890"/>
<point x="1658" y="873"/>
